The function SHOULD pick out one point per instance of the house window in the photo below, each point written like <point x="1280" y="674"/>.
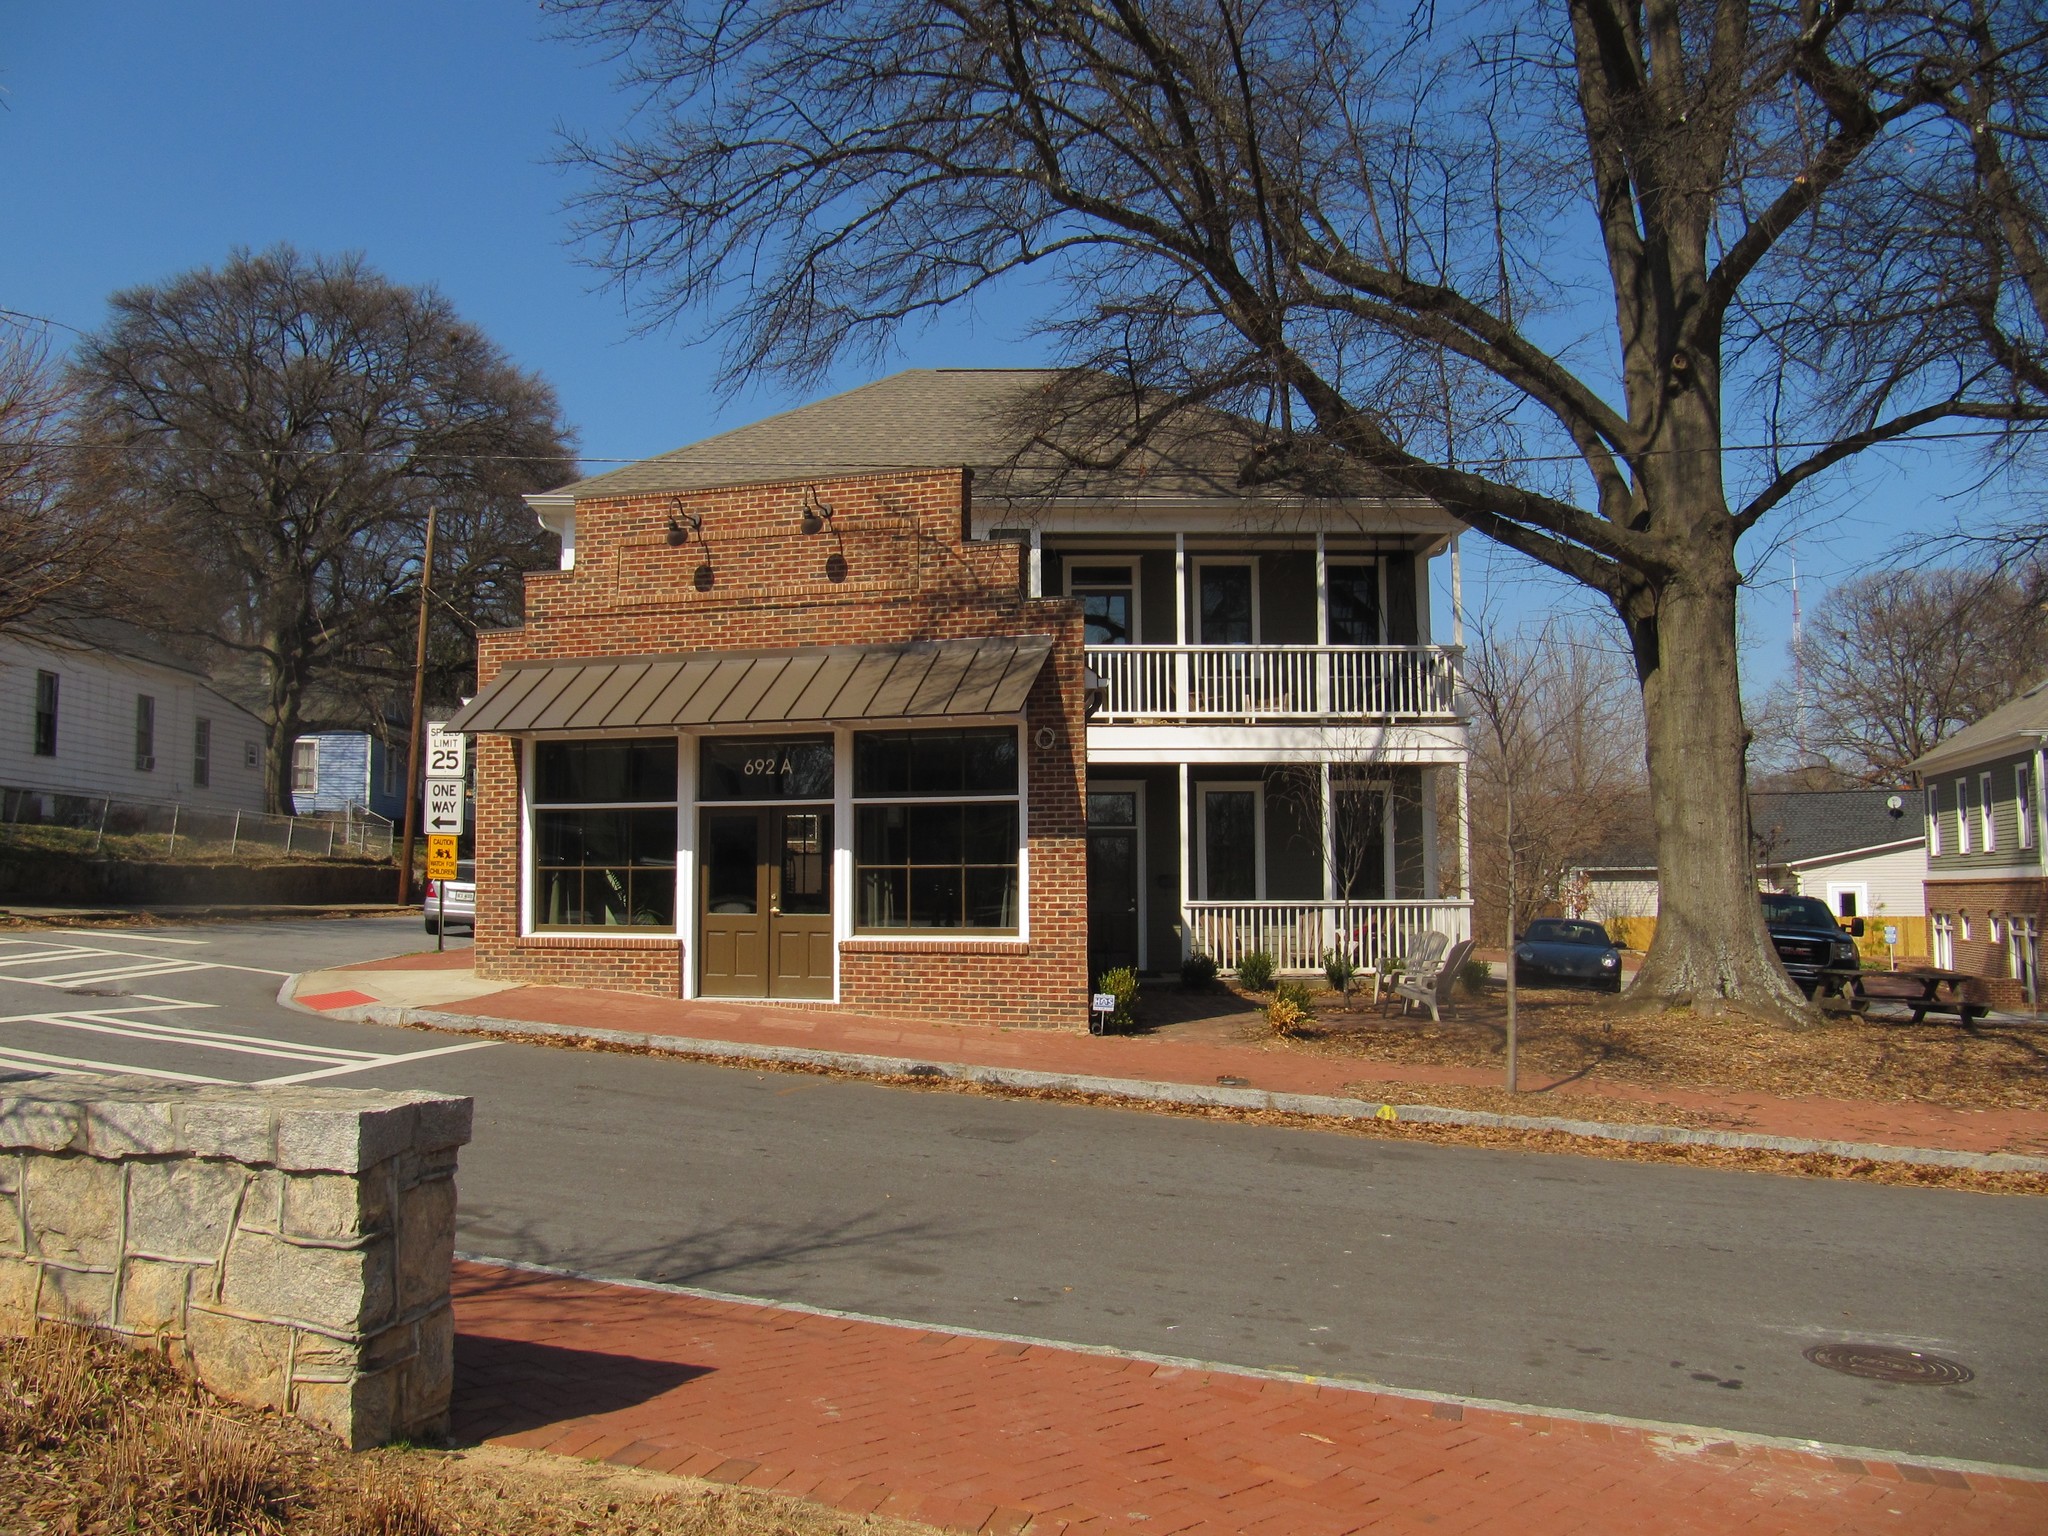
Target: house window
<point x="306" y="767"/>
<point x="396" y="760"/>
<point x="1943" y="927"/>
<point x="145" y="733"/>
<point x="202" y="752"/>
<point x="1354" y="605"/>
<point x="1985" y="806"/>
<point x="1963" y="818"/>
<point x="1226" y="603"/>
<point x="2023" y="956"/>
<point x="2023" y="803"/>
<point x="1233" y="843"/>
<point x="1933" y="820"/>
<point x="46" y="714"/>
<point x="604" y="834"/>
<point x="938" y="830"/>
<point x="252" y="756"/>
<point x="1963" y="926"/>
<point x="1109" y="602"/>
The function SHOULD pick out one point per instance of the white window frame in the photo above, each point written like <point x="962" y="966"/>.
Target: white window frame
<point x="852" y="803"/>
<point x="1860" y="889"/>
<point x="2023" y="956"/>
<point x="1963" y="927"/>
<point x="145" y="733"/>
<point x="2023" y="802"/>
<point x="1131" y="787"/>
<point x="1195" y="596"/>
<point x="1378" y="563"/>
<point x="202" y="752"/>
<point x="1934" y="819"/>
<point x="306" y="765"/>
<point x="529" y="866"/>
<point x="1941" y="927"/>
<point x="1987" y="813"/>
<point x="252" y="756"/>
<point x="1130" y="563"/>
<point x="1963" y="817"/>
<point x="1214" y="786"/>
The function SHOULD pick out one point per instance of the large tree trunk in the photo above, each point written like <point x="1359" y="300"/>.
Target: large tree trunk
<point x="1711" y="952"/>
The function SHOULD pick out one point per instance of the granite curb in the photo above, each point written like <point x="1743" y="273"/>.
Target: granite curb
<point x="1193" y="1095"/>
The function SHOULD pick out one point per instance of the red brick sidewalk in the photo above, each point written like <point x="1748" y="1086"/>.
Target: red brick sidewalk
<point x="974" y="1434"/>
<point x="1272" y="1068"/>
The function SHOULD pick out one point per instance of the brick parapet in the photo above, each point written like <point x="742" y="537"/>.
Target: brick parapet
<point x="893" y="566"/>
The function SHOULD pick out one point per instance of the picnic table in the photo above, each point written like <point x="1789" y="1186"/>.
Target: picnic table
<point x="1923" y="989"/>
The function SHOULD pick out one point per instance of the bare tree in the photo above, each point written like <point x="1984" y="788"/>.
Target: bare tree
<point x="57" y="554"/>
<point x="286" y="421"/>
<point x="1556" y="753"/>
<point x="1896" y="661"/>
<point x="1531" y="262"/>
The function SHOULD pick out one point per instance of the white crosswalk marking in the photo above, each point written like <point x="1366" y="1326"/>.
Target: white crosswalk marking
<point x="138" y="1017"/>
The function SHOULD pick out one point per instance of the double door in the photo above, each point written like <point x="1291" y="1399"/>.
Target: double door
<point x="764" y="918"/>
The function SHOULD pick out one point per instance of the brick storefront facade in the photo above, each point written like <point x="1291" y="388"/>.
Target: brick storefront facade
<point x="1985" y="903"/>
<point x="894" y="565"/>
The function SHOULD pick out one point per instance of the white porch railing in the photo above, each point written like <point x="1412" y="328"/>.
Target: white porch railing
<point x="1274" y="682"/>
<point x="1296" y="933"/>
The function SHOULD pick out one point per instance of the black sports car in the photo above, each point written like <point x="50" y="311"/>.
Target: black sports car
<point x="1557" y="949"/>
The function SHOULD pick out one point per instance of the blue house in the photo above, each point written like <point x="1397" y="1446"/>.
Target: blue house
<point x="334" y="770"/>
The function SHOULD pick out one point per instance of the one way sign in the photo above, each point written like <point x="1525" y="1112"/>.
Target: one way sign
<point x="444" y="807"/>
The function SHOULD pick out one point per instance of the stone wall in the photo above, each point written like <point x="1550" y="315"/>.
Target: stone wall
<point x="289" y="1246"/>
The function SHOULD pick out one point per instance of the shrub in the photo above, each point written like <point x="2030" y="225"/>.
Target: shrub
<point x="1291" y="1012"/>
<point x="1475" y="974"/>
<point x="1121" y="984"/>
<point x="1198" y="972"/>
<point x="1255" y="971"/>
<point x="1340" y="971"/>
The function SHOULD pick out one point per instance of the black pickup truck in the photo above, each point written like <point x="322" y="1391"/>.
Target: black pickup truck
<point x="1808" y="938"/>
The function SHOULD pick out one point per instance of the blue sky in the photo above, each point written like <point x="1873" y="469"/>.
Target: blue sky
<point x="140" y="140"/>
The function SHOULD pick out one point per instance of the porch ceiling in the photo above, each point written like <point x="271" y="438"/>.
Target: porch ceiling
<point x="812" y="685"/>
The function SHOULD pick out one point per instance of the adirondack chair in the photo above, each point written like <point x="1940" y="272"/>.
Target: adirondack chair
<point x="1435" y="988"/>
<point x="1423" y="954"/>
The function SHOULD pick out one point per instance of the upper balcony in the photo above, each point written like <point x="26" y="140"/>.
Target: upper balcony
<point x="1155" y="684"/>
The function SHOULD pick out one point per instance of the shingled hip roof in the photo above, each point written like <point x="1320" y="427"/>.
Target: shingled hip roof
<point x="811" y="686"/>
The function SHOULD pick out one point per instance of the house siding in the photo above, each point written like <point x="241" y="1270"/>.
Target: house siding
<point x="2005" y="854"/>
<point x="1895" y="881"/>
<point x="95" y="754"/>
<point x="1985" y="903"/>
<point x="895" y="567"/>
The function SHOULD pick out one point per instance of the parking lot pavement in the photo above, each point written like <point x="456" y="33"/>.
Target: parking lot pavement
<point x="195" y="1004"/>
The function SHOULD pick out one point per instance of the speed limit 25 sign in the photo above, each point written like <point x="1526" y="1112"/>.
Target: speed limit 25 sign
<point x="447" y="752"/>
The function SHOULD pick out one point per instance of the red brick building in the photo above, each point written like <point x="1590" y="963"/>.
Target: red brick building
<point x="1987" y="882"/>
<point x="866" y="704"/>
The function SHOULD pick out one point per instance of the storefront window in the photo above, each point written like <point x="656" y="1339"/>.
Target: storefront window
<point x="765" y="768"/>
<point x="941" y="851"/>
<point x="604" y="835"/>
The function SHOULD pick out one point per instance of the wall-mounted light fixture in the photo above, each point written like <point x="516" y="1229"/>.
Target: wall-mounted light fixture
<point x="817" y="514"/>
<point x="682" y="524"/>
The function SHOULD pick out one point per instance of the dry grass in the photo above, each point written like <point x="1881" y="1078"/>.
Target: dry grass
<point x="1566" y="1037"/>
<point x="97" y="1439"/>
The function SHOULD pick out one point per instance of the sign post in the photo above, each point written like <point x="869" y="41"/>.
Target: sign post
<point x="441" y="867"/>
<point x="447" y="765"/>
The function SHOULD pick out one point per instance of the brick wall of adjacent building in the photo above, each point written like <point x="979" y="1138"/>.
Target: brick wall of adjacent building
<point x="895" y="565"/>
<point x="1980" y="955"/>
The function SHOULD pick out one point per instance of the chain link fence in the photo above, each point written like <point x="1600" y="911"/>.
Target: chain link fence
<point x="106" y="824"/>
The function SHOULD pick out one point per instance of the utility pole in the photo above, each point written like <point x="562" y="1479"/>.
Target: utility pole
<point x="419" y="704"/>
<point x="1513" y="1080"/>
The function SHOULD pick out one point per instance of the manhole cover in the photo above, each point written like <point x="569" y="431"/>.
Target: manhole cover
<point x="1888" y="1362"/>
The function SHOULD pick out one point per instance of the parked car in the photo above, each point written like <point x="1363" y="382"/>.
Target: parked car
<point x="1557" y="949"/>
<point x="461" y="899"/>
<point x="1809" y="938"/>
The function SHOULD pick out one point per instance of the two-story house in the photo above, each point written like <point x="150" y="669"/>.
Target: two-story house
<point x="1987" y="884"/>
<point x="885" y="702"/>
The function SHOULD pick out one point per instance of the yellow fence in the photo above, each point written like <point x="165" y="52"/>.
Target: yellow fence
<point x="1636" y="932"/>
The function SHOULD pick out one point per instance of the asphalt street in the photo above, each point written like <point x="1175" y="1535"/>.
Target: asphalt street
<point x="1665" y="1292"/>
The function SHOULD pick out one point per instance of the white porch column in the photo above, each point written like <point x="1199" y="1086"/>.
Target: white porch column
<point x="1388" y="827"/>
<point x="1184" y="838"/>
<point x="1465" y="830"/>
<point x="1329" y="840"/>
<point x="1323" y="634"/>
<point x="1431" y="889"/>
<point x="1457" y="596"/>
<point x="1036" y="564"/>
<point x="1180" y="638"/>
<point x="842" y="845"/>
<point x="687" y="869"/>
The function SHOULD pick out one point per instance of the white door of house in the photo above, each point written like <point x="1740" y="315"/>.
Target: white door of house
<point x="2023" y="958"/>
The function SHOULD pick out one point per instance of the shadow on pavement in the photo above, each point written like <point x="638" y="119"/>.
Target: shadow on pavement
<point x="504" y="1386"/>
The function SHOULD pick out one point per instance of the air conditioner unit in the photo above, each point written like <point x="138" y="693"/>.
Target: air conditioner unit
<point x="145" y="765"/>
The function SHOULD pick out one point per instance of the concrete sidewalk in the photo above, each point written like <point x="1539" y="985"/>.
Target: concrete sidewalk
<point x="442" y="990"/>
<point x="987" y="1434"/>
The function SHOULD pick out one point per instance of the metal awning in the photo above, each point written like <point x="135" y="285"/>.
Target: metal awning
<point x="811" y="686"/>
